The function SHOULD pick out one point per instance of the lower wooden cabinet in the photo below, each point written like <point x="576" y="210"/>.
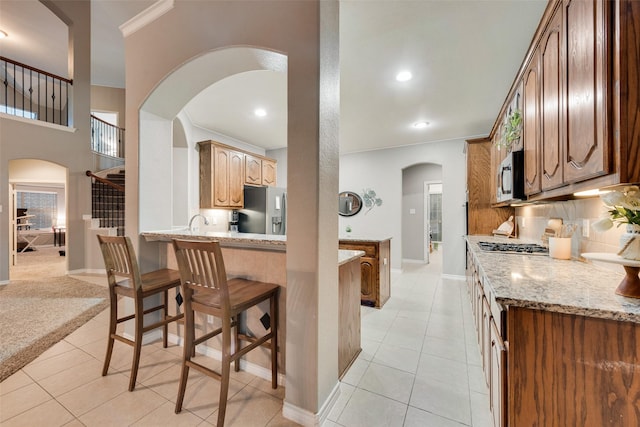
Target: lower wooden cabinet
<point x="490" y="326"/>
<point x="375" y="269"/>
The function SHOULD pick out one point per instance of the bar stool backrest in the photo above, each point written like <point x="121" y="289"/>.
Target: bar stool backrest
<point x="120" y="261"/>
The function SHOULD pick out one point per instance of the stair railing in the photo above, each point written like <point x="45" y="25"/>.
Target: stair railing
<point x="107" y="202"/>
<point x="35" y="94"/>
<point x="106" y="138"/>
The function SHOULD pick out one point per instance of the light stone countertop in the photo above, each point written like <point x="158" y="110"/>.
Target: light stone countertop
<point x="346" y="255"/>
<point x="563" y="286"/>
<point x="239" y="240"/>
<point x="227" y="239"/>
<point x="358" y="238"/>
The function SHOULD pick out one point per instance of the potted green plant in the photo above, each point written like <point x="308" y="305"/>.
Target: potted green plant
<point x="512" y="129"/>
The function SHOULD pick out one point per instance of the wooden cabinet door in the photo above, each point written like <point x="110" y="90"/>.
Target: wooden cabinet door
<point x="497" y="386"/>
<point x="221" y="163"/>
<point x="252" y="170"/>
<point x="551" y="98"/>
<point x="236" y="179"/>
<point x="531" y="127"/>
<point x="485" y="345"/>
<point x="269" y="172"/>
<point x="369" y="288"/>
<point x="586" y="149"/>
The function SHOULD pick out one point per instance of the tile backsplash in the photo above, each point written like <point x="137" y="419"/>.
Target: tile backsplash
<point x="531" y="221"/>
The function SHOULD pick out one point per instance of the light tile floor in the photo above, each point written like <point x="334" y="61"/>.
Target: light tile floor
<point x="419" y="366"/>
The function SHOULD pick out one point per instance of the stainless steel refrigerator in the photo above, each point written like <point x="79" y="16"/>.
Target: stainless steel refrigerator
<point x="265" y="211"/>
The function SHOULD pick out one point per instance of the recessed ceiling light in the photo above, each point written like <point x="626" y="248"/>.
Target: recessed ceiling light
<point x="260" y="112"/>
<point x="3" y="34"/>
<point x="421" y="125"/>
<point x="404" y="76"/>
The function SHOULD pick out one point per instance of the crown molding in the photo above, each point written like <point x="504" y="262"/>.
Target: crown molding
<point x="146" y="17"/>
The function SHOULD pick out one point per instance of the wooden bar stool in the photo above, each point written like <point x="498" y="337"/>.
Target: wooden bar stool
<point x="206" y="290"/>
<point x="125" y="279"/>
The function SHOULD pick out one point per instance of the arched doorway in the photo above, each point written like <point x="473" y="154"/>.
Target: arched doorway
<point x="419" y="183"/>
<point x="37" y="206"/>
<point x="159" y="152"/>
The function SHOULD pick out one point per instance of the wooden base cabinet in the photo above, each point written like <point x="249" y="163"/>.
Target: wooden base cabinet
<point x="490" y="325"/>
<point x="349" y="315"/>
<point x="375" y="269"/>
<point x="569" y="370"/>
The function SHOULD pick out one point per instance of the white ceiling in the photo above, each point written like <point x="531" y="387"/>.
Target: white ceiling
<point x="463" y="55"/>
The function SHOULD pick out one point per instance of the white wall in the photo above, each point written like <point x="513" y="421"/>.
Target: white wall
<point x="382" y="171"/>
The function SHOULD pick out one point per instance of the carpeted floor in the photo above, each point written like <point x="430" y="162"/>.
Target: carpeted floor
<point x="39" y="310"/>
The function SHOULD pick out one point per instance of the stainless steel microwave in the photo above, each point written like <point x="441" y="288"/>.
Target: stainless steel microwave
<point x="511" y="177"/>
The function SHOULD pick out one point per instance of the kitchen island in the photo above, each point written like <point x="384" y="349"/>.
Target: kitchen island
<point x="262" y="257"/>
<point x="558" y="346"/>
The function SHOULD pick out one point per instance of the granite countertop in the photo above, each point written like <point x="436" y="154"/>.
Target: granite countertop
<point x="358" y="238"/>
<point x="346" y="255"/>
<point x="564" y="286"/>
<point x="226" y="239"/>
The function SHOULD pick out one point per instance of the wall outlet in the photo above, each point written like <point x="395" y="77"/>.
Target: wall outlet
<point x="209" y="319"/>
<point x="585" y="228"/>
<point x="214" y="221"/>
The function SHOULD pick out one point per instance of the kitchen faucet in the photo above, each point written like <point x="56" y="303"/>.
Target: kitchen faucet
<point x="206" y="221"/>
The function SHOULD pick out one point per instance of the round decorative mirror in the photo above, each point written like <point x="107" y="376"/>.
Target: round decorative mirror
<point x="349" y="203"/>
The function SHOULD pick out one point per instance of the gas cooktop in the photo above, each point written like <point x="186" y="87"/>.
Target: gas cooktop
<point x="514" y="248"/>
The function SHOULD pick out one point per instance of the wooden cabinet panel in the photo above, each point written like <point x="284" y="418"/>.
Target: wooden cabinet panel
<point x="586" y="149"/>
<point x="349" y="278"/>
<point x="498" y="377"/>
<point x="221" y="177"/>
<point x="369" y="272"/>
<point x="551" y="96"/>
<point x="482" y="218"/>
<point x="531" y="127"/>
<point x="375" y="270"/>
<point x="236" y="179"/>
<point x="486" y="340"/>
<point x="269" y="172"/>
<point x="569" y="370"/>
<point x="260" y="171"/>
<point x="252" y="170"/>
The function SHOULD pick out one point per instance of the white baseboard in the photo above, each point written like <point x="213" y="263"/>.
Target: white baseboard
<point x="454" y="277"/>
<point x="307" y="418"/>
<point x="4" y="282"/>
<point x="413" y="261"/>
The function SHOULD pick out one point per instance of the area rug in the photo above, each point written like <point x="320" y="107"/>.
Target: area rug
<point x="36" y="314"/>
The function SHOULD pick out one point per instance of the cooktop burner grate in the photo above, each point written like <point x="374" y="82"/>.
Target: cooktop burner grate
<point x="514" y="248"/>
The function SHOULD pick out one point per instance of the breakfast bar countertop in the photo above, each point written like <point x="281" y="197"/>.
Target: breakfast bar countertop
<point x="227" y="239"/>
<point x="563" y="286"/>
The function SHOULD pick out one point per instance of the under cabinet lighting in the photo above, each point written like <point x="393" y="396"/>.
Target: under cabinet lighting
<point x="589" y="193"/>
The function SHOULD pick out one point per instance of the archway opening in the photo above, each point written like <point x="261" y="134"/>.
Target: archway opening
<point x="38" y="214"/>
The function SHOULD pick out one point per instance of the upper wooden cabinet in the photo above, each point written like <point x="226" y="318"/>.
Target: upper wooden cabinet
<point x="531" y="126"/>
<point x="269" y="172"/>
<point x="586" y="100"/>
<point x="221" y="176"/>
<point x="551" y="81"/>
<point x="259" y="171"/>
<point x="581" y="97"/>
<point x="225" y="170"/>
